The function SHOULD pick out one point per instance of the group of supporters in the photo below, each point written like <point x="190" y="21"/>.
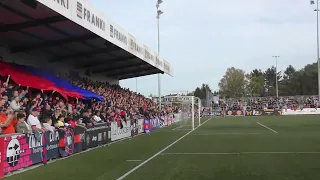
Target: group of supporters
<point x="261" y="103"/>
<point x="27" y="110"/>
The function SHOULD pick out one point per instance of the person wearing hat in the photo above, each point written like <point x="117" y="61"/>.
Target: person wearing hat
<point x="33" y="120"/>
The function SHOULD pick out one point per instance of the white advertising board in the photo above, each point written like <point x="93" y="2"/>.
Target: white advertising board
<point x="84" y="14"/>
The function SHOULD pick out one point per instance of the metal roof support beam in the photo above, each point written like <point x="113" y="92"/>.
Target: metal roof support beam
<point x="145" y="73"/>
<point x="81" y="55"/>
<point x="31" y="47"/>
<point x="32" y="23"/>
<point x="111" y="69"/>
<point x="96" y="64"/>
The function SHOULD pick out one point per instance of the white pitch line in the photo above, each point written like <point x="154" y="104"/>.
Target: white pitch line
<point x="267" y="127"/>
<point x="158" y="153"/>
<point x="134" y="160"/>
<point x="177" y="128"/>
<point x="183" y="129"/>
<point x="240" y="153"/>
<point x="207" y="134"/>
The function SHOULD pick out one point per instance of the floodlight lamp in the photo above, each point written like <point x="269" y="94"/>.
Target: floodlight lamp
<point x="160" y="12"/>
<point x="159" y="2"/>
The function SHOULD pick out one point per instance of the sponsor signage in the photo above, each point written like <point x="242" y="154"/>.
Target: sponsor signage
<point x="253" y="113"/>
<point x="134" y="128"/>
<point x="132" y="44"/>
<point x="234" y="113"/>
<point x="119" y="36"/>
<point x="266" y="112"/>
<point x="20" y="151"/>
<point x="147" y="125"/>
<point x="60" y="6"/>
<point x="96" y="136"/>
<point x="271" y="112"/>
<point x="52" y="144"/>
<point x="82" y="13"/>
<point x="23" y="150"/>
<point x="140" y="126"/>
<point x="304" y="111"/>
<point x="119" y="133"/>
<point x="90" y="16"/>
<point x="216" y="113"/>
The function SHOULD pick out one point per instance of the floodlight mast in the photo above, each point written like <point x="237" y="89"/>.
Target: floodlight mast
<point x="312" y="2"/>
<point x="159" y="12"/>
<point x="277" y="89"/>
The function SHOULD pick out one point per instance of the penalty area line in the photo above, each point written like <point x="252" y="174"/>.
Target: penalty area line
<point x="177" y="128"/>
<point x="267" y="127"/>
<point x="158" y="153"/>
<point x="240" y="153"/>
<point x="133" y="160"/>
<point x="208" y="134"/>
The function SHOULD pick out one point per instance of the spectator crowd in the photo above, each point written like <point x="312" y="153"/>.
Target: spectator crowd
<point x="27" y="110"/>
<point x="261" y="103"/>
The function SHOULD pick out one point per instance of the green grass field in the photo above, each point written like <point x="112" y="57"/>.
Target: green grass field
<point x="233" y="148"/>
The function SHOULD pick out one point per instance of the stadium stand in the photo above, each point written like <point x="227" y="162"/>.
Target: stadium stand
<point x="102" y="102"/>
<point x="260" y="103"/>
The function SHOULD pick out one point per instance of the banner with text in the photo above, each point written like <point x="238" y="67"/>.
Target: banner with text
<point x="95" y="136"/>
<point x="304" y="111"/>
<point x="265" y="112"/>
<point x="120" y="132"/>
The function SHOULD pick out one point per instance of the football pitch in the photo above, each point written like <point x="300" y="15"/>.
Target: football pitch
<point x="231" y="148"/>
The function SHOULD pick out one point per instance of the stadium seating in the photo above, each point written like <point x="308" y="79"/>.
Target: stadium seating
<point x="66" y="102"/>
<point x="260" y="103"/>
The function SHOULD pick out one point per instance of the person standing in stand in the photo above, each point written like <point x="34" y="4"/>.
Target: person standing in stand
<point x="7" y="121"/>
<point x="35" y="124"/>
<point x="22" y="126"/>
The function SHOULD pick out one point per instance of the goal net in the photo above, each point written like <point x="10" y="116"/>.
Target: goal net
<point x="190" y="107"/>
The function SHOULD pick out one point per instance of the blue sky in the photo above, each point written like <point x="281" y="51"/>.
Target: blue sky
<point x="201" y="39"/>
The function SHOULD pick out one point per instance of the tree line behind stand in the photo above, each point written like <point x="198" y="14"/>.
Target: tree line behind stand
<point x="237" y="83"/>
<point x="202" y="91"/>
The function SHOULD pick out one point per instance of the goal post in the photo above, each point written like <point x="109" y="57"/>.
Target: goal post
<point x="194" y="101"/>
<point x="189" y="111"/>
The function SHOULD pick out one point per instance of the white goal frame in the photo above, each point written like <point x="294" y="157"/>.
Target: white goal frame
<point x="194" y="100"/>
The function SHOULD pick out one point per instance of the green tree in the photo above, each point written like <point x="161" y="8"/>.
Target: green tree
<point x="270" y="81"/>
<point x="233" y="83"/>
<point x="255" y="86"/>
<point x="201" y="91"/>
<point x="290" y="84"/>
<point x="198" y="93"/>
<point x="309" y="79"/>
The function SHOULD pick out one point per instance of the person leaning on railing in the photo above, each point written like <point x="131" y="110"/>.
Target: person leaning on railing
<point x="22" y="126"/>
